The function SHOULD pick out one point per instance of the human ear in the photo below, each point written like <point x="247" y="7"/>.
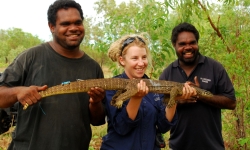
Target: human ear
<point x="51" y="27"/>
<point x="121" y="60"/>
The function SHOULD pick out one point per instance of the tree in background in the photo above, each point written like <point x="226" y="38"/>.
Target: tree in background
<point x="13" y="41"/>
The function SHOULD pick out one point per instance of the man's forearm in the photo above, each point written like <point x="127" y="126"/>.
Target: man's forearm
<point x="7" y="97"/>
<point x="219" y="102"/>
<point x="97" y="113"/>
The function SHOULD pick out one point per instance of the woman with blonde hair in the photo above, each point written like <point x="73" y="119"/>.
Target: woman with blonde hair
<point x="134" y="125"/>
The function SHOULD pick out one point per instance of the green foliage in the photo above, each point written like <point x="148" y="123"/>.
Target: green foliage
<point x="136" y="17"/>
<point x="244" y="141"/>
<point x="5" y="138"/>
<point x="14" y="52"/>
<point x="97" y="133"/>
<point x="3" y="65"/>
<point x="14" y="41"/>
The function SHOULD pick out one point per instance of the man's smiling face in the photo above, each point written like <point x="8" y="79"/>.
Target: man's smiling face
<point x="186" y="47"/>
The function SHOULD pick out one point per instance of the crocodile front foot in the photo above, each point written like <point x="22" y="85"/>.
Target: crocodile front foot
<point x="171" y="103"/>
<point x="118" y="104"/>
<point x="114" y="101"/>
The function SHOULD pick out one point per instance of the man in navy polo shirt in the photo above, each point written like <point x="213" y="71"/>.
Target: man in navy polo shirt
<point x="199" y="126"/>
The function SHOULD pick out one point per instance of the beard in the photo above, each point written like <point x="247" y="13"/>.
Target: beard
<point x="189" y="61"/>
<point x="69" y="45"/>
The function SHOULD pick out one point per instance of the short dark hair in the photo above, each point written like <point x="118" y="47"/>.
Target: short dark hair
<point x="184" y="27"/>
<point x="62" y="4"/>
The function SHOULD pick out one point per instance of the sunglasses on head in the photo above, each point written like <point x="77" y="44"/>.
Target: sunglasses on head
<point x="130" y="40"/>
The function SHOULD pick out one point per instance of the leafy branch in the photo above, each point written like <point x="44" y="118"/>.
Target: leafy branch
<point x="214" y="27"/>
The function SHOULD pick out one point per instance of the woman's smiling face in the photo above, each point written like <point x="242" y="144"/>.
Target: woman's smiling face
<point x="135" y="62"/>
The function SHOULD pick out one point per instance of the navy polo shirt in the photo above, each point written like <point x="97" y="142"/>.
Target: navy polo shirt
<point x="199" y="124"/>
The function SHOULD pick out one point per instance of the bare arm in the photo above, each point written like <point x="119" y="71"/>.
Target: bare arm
<point x="10" y="95"/>
<point x="135" y="101"/>
<point x="170" y="112"/>
<point x="96" y="107"/>
<point x="7" y="96"/>
<point x="218" y="101"/>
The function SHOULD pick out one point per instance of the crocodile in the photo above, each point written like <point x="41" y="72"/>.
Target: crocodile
<point x="125" y="89"/>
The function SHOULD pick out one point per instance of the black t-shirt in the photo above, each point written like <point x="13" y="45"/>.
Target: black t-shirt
<point x="199" y="124"/>
<point x="58" y="122"/>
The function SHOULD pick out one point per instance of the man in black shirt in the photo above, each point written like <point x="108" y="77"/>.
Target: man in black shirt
<point x="199" y="122"/>
<point x="59" y="122"/>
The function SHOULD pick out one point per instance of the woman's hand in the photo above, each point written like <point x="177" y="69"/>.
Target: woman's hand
<point x="142" y="90"/>
<point x="135" y="101"/>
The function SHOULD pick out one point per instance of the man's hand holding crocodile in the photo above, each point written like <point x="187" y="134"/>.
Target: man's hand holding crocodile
<point x="96" y="107"/>
<point x="25" y="95"/>
<point x="29" y="95"/>
<point x="189" y="96"/>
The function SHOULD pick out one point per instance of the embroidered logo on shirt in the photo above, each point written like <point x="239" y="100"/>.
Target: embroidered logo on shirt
<point x="156" y="97"/>
<point x="205" y="80"/>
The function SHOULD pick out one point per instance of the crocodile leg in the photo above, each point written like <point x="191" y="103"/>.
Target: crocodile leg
<point x="173" y="93"/>
<point x="114" y="98"/>
<point x="131" y="89"/>
<point x="166" y="99"/>
<point x="123" y="97"/>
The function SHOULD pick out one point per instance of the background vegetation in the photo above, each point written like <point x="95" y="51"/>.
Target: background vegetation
<point x="224" y="29"/>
